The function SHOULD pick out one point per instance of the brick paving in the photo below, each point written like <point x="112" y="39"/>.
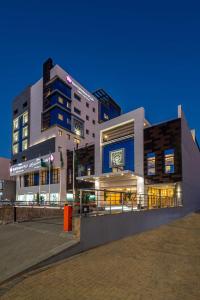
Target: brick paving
<point x="161" y="264"/>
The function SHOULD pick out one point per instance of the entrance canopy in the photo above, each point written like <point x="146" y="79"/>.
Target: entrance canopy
<point x="119" y="176"/>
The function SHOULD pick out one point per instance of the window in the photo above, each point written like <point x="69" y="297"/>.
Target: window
<point x="15" y="137"/>
<point x="25" y="132"/>
<point x="68" y="121"/>
<point x="15" y="111"/>
<point x="169" y="161"/>
<point x="25" y="104"/>
<point x="88" y="171"/>
<point x="29" y="180"/>
<point x="43" y="177"/>
<point x="16" y="123"/>
<point x="60" y="133"/>
<point x="55" y="176"/>
<point x="106" y="117"/>
<point x="87" y="117"/>
<point x="68" y="136"/>
<point x="77" y="97"/>
<point x="15" y="148"/>
<point x="93" y="135"/>
<point x="24" y="144"/>
<point x="151" y="164"/>
<point x="25" y="118"/>
<point x="93" y="121"/>
<point x="60" y="100"/>
<point x="87" y="131"/>
<point x="77" y="111"/>
<point x="68" y="104"/>
<point x="69" y="176"/>
<point x="60" y="117"/>
<point x="76" y="141"/>
<point x="78" y="127"/>
<point x="93" y="109"/>
<point x="87" y="104"/>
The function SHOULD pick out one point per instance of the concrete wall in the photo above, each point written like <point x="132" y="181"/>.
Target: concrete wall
<point x="103" y="229"/>
<point x="190" y="168"/>
<point x="4" y="168"/>
<point x="27" y="213"/>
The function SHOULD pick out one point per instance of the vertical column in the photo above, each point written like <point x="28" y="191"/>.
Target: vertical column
<point x="139" y="153"/>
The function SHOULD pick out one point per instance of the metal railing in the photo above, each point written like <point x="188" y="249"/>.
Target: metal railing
<point x="92" y="202"/>
<point x="97" y="202"/>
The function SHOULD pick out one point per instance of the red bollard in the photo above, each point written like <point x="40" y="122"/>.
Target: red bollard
<point x="67" y="218"/>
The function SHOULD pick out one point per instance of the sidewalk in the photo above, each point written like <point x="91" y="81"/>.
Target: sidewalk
<point x="161" y="264"/>
<point x="23" y="245"/>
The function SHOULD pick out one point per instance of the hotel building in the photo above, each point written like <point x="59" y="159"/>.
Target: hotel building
<point x="66" y="139"/>
<point x="51" y="117"/>
<point x="157" y="164"/>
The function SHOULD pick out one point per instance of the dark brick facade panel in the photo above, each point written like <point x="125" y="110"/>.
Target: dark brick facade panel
<point x="84" y="157"/>
<point x="157" y="139"/>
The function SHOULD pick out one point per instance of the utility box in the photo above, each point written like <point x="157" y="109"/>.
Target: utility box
<point x="67" y="218"/>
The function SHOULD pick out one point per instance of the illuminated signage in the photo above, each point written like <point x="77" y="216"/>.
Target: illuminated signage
<point x="80" y="90"/>
<point x="117" y="158"/>
<point x="30" y="166"/>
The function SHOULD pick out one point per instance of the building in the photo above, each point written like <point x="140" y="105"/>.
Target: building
<point x="51" y="117"/>
<point x="7" y="184"/>
<point x="158" y="164"/>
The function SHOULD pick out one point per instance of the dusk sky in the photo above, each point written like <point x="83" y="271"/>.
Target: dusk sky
<point x="143" y="53"/>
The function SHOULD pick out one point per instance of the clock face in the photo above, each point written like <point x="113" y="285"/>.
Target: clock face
<point x="117" y="158"/>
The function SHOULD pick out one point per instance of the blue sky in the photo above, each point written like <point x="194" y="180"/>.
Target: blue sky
<point x="144" y="53"/>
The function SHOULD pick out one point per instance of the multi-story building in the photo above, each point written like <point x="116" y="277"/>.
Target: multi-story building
<point x="7" y="184"/>
<point x="50" y="117"/>
<point x="159" y="165"/>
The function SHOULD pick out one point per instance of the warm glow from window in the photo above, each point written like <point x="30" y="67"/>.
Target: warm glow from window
<point x="24" y="144"/>
<point x="15" y="137"/>
<point x="60" y="117"/>
<point x="15" y="148"/>
<point x="16" y="123"/>
<point x="25" y="117"/>
<point x="60" y="100"/>
<point x="25" y="131"/>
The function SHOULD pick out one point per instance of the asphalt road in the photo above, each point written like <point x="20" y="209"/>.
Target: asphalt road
<point x="161" y="264"/>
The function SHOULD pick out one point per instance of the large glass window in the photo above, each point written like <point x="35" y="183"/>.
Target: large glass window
<point x="169" y="161"/>
<point x="16" y="123"/>
<point x="25" y="117"/>
<point x="15" y="137"/>
<point x="43" y="177"/>
<point x="78" y="127"/>
<point x="55" y="176"/>
<point x="151" y="163"/>
<point x="25" y="132"/>
<point x="24" y="144"/>
<point x="15" y="148"/>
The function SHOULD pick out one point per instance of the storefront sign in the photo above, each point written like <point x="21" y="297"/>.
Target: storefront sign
<point x="117" y="158"/>
<point x="30" y="166"/>
<point x="80" y="90"/>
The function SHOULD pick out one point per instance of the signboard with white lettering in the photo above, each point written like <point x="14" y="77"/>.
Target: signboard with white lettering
<point x="31" y="165"/>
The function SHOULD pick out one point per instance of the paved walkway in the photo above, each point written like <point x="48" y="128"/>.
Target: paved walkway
<point x="162" y="264"/>
<point x="25" y="244"/>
